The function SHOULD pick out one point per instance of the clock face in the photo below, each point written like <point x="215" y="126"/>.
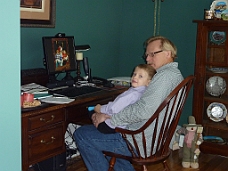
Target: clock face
<point x="216" y="86"/>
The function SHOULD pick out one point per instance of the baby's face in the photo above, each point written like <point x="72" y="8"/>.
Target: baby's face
<point x="140" y="78"/>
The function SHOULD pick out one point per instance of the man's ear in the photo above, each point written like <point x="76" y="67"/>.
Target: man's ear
<point x="168" y="53"/>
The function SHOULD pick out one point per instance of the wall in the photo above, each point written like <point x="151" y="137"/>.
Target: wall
<point x="116" y="30"/>
<point x="10" y="114"/>
<point x="93" y="22"/>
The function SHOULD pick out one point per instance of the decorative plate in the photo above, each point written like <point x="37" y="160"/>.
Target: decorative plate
<point x="217" y="139"/>
<point x="224" y="15"/>
<point x="218" y="37"/>
<point x="218" y="70"/>
<point x="216" y="86"/>
<point x="218" y="6"/>
<point x="216" y="111"/>
<point x="214" y="139"/>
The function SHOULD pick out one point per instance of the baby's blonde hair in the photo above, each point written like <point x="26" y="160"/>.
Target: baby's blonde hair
<point x="149" y="69"/>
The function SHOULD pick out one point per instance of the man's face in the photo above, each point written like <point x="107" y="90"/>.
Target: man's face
<point x="156" y="57"/>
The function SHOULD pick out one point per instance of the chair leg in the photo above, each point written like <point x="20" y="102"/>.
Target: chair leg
<point x="165" y="165"/>
<point x="112" y="163"/>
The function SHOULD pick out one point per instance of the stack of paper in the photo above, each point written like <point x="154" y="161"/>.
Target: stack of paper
<point x="41" y="92"/>
<point x="33" y="87"/>
<point x="121" y="81"/>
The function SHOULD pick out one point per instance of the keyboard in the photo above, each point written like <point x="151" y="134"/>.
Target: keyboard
<point x="73" y="92"/>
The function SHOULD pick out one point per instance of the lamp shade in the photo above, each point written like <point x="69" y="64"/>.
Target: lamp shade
<point x="82" y="47"/>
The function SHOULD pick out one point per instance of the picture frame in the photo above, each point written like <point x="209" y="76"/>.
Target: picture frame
<point x="38" y="13"/>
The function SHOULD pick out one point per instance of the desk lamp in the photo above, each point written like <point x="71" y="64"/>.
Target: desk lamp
<point x="79" y="57"/>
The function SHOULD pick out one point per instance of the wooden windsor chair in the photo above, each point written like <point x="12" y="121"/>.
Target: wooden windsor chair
<point x="169" y="113"/>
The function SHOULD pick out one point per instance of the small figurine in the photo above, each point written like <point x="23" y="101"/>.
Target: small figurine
<point x="192" y="139"/>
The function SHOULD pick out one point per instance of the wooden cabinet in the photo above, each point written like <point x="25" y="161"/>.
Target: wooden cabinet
<point x="211" y="60"/>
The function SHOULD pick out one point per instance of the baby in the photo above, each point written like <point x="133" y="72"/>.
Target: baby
<point x="140" y="79"/>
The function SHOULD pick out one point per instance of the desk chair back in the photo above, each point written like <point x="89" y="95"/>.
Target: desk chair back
<point x="164" y="120"/>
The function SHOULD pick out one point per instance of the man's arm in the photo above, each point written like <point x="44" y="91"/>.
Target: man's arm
<point x="159" y="88"/>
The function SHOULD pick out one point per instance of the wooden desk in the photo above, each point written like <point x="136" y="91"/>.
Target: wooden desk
<point x="43" y="130"/>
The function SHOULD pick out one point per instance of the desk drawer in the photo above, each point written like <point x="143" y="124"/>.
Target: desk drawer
<point x="46" y="119"/>
<point x="47" y="142"/>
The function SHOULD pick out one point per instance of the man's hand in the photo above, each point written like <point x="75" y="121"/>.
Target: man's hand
<point x="93" y="117"/>
<point x="97" y="118"/>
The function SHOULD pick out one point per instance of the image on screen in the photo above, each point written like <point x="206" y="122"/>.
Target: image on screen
<point x="59" y="54"/>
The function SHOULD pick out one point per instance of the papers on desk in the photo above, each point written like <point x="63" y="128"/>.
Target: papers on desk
<point x="41" y="92"/>
<point x="57" y="100"/>
<point x="32" y="88"/>
<point x="121" y="81"/>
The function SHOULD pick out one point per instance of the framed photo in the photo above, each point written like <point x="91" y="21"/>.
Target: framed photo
<point x="37" y="13"/>
<point x="59" y="54"/>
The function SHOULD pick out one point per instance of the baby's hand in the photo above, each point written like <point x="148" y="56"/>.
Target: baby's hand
<point x="97" y="108"/>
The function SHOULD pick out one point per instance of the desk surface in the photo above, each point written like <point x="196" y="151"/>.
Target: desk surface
<point x="105" y="93"/>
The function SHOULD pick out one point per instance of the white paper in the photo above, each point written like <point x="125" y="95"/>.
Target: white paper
<point x="33" y="87"/>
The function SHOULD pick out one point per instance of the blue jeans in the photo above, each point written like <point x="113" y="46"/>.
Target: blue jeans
<point x="91" y="143"/>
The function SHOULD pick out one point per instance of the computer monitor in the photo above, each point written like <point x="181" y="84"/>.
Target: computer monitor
<point x="59" y="56"/>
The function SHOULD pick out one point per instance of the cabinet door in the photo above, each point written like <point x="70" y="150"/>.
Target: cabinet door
<point x="210" y="101"/>
<point x="216" y="80"/>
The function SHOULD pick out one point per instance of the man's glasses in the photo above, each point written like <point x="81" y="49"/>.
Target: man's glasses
<point x="152" y="54"/>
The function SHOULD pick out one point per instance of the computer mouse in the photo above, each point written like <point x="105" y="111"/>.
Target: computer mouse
<point x="108" y="84"/>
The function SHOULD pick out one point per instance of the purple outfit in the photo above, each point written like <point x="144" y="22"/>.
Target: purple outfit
<point x="123" y="100"/>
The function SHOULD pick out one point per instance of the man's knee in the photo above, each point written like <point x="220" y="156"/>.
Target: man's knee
<point x="81" y="132"/>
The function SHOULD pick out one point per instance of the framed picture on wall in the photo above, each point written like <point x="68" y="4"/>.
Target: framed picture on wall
<point x="37" y="13"/>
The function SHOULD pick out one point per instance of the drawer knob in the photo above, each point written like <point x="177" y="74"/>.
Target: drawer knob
<point x="50" y="142"/>
<point x="44" y="120"/>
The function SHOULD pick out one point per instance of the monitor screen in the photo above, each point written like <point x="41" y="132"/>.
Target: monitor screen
<point x="59" y="54"/>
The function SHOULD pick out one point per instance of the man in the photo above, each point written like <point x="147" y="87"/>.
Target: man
<point x="160" y="54"/>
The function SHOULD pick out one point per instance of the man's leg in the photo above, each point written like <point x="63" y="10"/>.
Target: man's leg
<point x="91" y="143"/>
